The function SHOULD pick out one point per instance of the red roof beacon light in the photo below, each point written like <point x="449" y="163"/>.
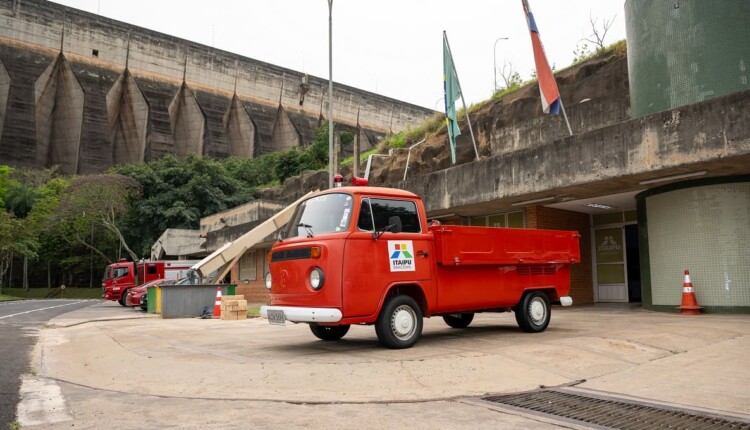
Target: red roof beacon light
<point x="338" y="181"/>
<point x="359" y="182"/>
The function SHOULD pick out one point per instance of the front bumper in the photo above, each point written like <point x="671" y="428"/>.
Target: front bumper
<point x="300" y="314"/>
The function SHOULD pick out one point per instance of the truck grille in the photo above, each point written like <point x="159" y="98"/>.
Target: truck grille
<point x="615" y="414"/>
<point x="291" y="254"/>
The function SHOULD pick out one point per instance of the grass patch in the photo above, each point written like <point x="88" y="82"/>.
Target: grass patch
<point x="4" y="298"/>
<point x="620" y="48"/>
<point x="410" y="136"/>
<point x="362" y="157"/>
<point x="15" y="425"/>
<point x="40" y="293"/>
<point x="253" y="312"/>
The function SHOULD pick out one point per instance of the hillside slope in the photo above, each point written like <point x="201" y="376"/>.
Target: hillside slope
<point x="595" y="93"/>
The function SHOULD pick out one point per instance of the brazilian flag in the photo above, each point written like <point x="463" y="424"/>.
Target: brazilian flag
<point x="452" y="93"/>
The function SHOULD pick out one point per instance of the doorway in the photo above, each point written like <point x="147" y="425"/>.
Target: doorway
<point x="633" y="263"/>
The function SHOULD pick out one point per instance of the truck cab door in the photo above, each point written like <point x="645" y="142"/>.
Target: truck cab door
<point x="376" y="257"/>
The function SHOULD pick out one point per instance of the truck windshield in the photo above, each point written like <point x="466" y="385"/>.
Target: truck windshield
<point x="327" y="213"/>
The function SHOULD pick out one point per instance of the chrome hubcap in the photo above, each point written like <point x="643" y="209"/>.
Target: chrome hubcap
<point x="537" y="311"/>
<point x="403" y="322"/>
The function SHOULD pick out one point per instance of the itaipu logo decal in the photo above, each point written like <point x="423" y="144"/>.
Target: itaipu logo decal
<point x="609" y="245"/>
<point x="401" y="255"/>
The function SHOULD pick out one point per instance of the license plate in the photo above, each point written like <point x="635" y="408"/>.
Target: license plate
<point x="276" y="317"/>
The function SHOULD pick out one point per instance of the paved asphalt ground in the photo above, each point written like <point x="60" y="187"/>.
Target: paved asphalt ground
<point x="145" y="372"/>
<point x="20" y="322"/>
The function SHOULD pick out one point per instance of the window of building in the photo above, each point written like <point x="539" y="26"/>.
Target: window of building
<point x="510" y="219"/>
<point x="248" y="266"/>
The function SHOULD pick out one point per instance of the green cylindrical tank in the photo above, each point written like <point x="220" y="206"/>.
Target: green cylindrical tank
<point x="682" y="52"/>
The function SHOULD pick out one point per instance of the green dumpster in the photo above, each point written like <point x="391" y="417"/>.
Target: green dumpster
<point x="151" y="300"/>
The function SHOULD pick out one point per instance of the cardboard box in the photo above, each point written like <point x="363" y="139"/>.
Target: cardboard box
<point x="233" y="308"/>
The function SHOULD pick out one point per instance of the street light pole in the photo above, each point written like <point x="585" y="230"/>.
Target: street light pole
<point x="330" y="94"/>
<point x="494" y="62"/>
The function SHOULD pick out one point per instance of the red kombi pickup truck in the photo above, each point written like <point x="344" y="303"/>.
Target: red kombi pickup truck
<point x="367" y="255"/>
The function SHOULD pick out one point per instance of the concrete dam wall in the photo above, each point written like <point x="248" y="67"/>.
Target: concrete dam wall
<point x="84" y="93"/>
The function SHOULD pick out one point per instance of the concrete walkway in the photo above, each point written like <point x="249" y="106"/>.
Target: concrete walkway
<point x="697" y="362"/>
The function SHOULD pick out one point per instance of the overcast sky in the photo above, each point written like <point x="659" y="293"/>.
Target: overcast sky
<point x="390" y="47"/>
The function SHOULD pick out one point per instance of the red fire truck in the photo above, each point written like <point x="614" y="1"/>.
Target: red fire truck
<point x="122" y="275"/>
<point x="367" y="255"/>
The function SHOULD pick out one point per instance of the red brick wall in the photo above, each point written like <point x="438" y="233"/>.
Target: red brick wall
<point x="581" y="279"/>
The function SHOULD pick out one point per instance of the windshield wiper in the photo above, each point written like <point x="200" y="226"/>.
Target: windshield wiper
<point x="307" y="228"/>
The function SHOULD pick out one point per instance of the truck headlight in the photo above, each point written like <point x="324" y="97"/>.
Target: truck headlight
<point x="317" y="279"/>
<point x="268" y="280"/>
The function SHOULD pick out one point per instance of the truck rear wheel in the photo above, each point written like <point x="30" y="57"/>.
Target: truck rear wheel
<point x="400" y="323"/>
<point x="329" y="332"/>
<point x="459" y="320"/>
<point x="533" y="313"/>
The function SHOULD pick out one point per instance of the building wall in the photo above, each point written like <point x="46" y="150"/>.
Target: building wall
<point x="702" y="226"/>
<point x="581" y="282"/>
<point x="713" y="134"/>
<point x="687" y="51"/>
<point x="191" y="93"/>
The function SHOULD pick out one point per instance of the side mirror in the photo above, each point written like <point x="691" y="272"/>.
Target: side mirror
<point x="394" y="224"/>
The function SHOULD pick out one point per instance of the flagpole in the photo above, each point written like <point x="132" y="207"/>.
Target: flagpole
<point x="562" y="106"/>
<point x="458" y="82"/>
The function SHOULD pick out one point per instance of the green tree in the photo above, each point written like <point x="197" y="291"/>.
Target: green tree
<point x="318" y="149"/>
<point x="58" y="249"/>
<point x="289" y="165"/>
<point x="5" y="182"/>
<point x="176" y="194"/>
<point x="253" y="172"/>
<point x="15" y="240"/>
<point x="346" y="138"/>
<point x="581" y="52"/>
<point x="97" y="201"/>
<point x="20" y="198"/>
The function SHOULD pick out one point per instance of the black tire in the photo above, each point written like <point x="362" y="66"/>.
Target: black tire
<point x="399" y="324"/>
<point x="534" y="312"/>
<point x="329" y="332"/>
<point x="123" y="298"/>
<point x="458" y="320"/>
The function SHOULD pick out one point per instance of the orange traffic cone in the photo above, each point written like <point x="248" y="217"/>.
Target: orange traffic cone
<point x="689" y="304"/>
<point x="217" y="304"/>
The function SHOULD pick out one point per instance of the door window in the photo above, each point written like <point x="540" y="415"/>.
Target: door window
<point x="377" y="212"/>
<point x="120" y="272"/>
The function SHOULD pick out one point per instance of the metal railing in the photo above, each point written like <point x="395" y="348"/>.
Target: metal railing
<point x="369" y="162"/>
<point x="408" y="156"/>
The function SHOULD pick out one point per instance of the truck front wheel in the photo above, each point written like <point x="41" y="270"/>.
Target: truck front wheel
<point x="533" y="313"/>
<point x="329" y="332"/>
<point x="459" y="320"/>
<point x="400" y="323"/>
<point x="123" y="298"/>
